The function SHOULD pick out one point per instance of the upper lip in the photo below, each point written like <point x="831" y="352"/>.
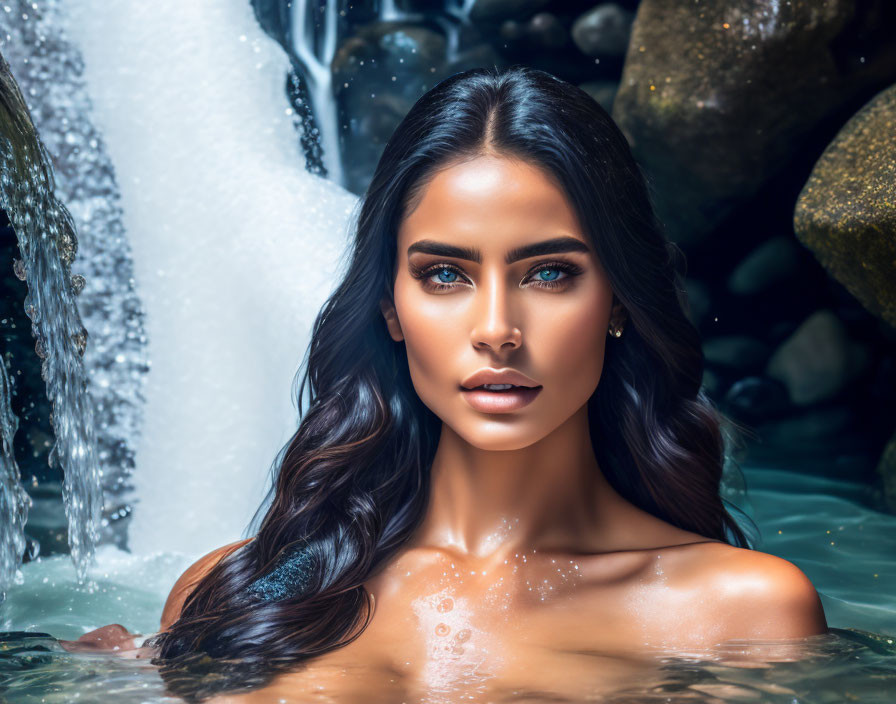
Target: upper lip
<point x="497" y="376"/>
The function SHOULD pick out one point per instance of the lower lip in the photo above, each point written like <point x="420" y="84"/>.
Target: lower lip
<point x="500" y="401"/>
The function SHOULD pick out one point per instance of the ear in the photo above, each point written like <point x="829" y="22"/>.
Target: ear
<point x="617" y="312"/>
<point x="394" y="327"/>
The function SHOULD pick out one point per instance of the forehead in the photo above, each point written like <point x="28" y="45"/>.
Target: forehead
<point x="490" y="202"/>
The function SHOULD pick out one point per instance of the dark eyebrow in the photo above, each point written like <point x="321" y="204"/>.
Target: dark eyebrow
<point x="556" y="245"/>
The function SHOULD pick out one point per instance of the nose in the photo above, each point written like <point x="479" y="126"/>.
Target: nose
<point x="493" y="328"/>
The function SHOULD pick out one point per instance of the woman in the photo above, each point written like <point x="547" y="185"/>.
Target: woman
<point x="507" y="450"/>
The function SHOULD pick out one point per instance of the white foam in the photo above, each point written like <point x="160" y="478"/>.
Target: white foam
<point x="235" y="248"/>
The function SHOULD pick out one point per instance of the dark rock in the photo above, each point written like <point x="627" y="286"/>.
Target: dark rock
<point x="603" y="30"/>
<point x="492" y="10"/>
<point x="380" y="72"/>
<point x="387" y="47"/>
<point x="818" y="360"/>
<point x="846" y="213"/>
<point x="815" y="425"/>
<point x="737" y="352"/>
<point x="781" y="329"/>
<point x="757" y="397"/>
<point x="773" y="261"/>
<point x="813" y="435"/>
<point x="547" y="31"/>
<point x="32" y="549"/>
<point x="542" y="31"/>
<point x="715" y="98"/>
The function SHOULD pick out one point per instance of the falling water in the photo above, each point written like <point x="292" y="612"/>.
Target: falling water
<point x="48" y="245"/>
<point x="310" y="32"/>
<point x="234" y="247"/>
<point x="14" y="500"/>
<point x="49" y="69"/>
<point x="313" y="50"/>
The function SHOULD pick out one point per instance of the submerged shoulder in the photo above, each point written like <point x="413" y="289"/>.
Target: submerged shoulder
<point x="194" y="574"/>
<point x="758" y="595"/>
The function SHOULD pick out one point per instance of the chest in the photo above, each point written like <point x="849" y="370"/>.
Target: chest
<point x="570" y="627"/>
<point x="573" y="619"/>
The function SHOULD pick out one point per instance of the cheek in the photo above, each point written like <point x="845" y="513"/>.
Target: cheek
<point x="431" y="339"/>
<point x="571" y="340"/>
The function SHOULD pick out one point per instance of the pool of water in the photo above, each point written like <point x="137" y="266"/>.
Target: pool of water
<point x="825" y="526"/>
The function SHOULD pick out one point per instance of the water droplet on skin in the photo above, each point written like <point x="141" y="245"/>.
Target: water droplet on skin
<point x="445" y="605"/>
<point x="463" y="635"/>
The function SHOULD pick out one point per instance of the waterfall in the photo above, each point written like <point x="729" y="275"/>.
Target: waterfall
<point x="50" y="71"/>
<point x="313" y="46"/>
<point x="235" y="247"/>
<point x="311" y="33"/>
<point x="14" y="500"/>
<point x="210" y="251"/>
<point x="48" y="244"/>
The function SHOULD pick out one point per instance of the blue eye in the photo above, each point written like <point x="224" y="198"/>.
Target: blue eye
<point x="443" y="277"/>
<point x="446" y="276"/>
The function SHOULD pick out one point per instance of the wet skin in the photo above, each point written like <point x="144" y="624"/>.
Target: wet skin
<point x="568" y="624"/>
<point x="529" y="570"/>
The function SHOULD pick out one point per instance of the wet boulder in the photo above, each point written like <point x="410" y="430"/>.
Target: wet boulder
<point x="846" y="213"/>
<point x="757" y="398"/>
<point x="491" y="10"/>
<point x="604" y="30"/>
<point x="818" y="360"/>
<point x="715" y="98"/>
<point x="380" y="71"/>
<point x="736" y="352"/>
<point x="541" y="31"/>
<point x="774" y="261"/>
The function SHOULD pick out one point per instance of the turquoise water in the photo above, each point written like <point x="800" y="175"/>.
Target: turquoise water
<point x="827" y="527"/>
<point x="829" y="531"/>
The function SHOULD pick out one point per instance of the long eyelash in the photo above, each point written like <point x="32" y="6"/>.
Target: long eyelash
<point x="424" y="272"/>
<point x="571" y="271"/>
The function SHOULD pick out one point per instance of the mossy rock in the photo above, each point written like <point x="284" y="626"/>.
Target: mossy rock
<point x="717" y="97"/>
<point x="846" y="212"/>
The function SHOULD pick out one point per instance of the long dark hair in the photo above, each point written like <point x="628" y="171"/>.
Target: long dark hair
<point x="353" y="482"/>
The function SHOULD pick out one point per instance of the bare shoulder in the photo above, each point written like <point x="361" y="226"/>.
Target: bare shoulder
<point x="185" y="584"/>
<point x="755" y="595"/>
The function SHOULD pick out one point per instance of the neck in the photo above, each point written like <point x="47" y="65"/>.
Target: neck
<point x="549" y="496"/>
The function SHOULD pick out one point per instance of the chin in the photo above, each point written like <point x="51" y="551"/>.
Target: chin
<point x="497" y="436"/>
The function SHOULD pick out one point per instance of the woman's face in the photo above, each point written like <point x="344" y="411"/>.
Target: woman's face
<point x="494" y="272"/>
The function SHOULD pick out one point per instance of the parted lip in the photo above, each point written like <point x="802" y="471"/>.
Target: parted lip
<point x="497" y="376"/>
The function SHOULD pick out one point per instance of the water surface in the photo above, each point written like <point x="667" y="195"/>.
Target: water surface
<point x="827" y="527"/>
